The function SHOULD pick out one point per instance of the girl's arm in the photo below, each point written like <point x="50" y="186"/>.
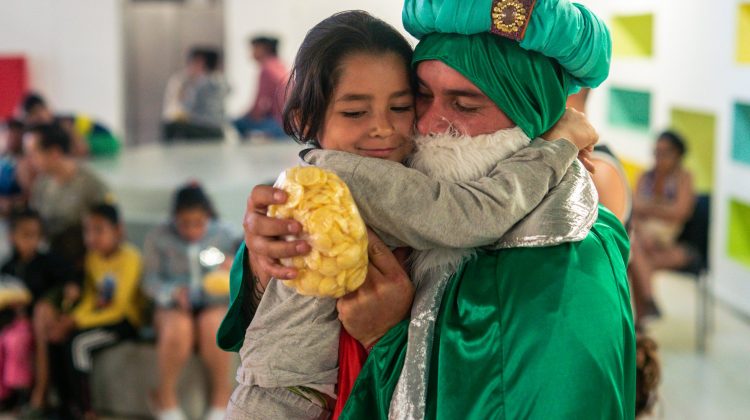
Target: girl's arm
<point x="678" y="211"/>
<point x="155" y="285"/>
<point x="407" y="207"/>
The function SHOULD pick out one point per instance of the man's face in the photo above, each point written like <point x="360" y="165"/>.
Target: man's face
<point x="39" y="114"/>
<point x="41" y="160"/>
<point x="447" y="99"/>
<point x="258" y="52"/>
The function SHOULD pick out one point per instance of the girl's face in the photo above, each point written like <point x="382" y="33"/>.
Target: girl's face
<point x="100" y="234"/>
<point x="666" y="156"/>
<point x="192" y="224"/>
<point x="26" y="237"/>
<point x="371" y="112"/>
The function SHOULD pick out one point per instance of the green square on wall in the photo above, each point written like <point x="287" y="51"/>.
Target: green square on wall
<point x="738" y="237"/>
<point x="741" y="134"/>
<point x="630" y="108"/>
<point x="699" y="131"/>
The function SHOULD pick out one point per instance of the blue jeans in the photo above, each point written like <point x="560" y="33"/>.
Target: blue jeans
<point x="268" y="126"/>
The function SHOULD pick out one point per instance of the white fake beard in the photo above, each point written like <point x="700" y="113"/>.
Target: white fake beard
<point x="452" y="157"/>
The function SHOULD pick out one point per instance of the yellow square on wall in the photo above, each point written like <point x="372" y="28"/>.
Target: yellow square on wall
<point x="699" y="131"/>
<point x="743" y="33"/>
<point x="633" y="36"/>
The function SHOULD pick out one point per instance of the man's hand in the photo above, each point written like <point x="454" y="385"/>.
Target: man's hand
<point x="576" y="128"/>
<point x="264" y="235"/>
<point x="382" y="301"/>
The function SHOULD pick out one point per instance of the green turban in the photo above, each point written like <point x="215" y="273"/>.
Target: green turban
<point x="530" y="88"/>
<point x="560" y="29"/>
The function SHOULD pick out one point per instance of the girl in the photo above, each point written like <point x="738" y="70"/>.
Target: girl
<point x="351" y="90"/>
<point x="178" y="255"/>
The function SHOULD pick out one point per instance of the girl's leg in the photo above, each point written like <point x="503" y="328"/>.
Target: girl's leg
<point x="217" y="361"/>
<point x="174" y="345"/>
<point x="641" y="272"/>
<point x="44" y="315"/>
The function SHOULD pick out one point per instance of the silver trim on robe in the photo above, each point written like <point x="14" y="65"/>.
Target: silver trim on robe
<point x="566" y="214"/>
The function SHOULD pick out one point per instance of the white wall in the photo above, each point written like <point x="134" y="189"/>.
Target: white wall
<point x="693" y="68"/>
<point x="289" y="20"/>
<point x="74" y="51"/>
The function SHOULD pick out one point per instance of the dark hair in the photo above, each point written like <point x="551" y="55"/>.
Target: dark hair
<point x="317" y="66"/>
<point x="23" y="214"/>
<point x="14" y="124"/>
<point x="52" y="136"/>
<point x="192" y="196"/>
<point x="31" y="101"/>
<point x="210" y="57"/>
<point x="675" y="140"/>
<point x="106" y="211"/>
<point x="647" y="374"/>
<point x="271" y="44"/>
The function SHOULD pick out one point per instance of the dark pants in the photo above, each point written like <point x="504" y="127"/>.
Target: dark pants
<point x="72" y="363"/>
<point x="267" y="126"/>
<point x="189" y="131"/>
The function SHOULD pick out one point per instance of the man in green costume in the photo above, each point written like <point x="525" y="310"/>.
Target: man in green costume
<point x="539" y="325"/>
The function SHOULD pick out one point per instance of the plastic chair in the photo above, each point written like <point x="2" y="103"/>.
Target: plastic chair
<point x="695" y="234"/>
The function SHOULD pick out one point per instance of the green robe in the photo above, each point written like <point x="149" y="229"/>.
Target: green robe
<point x="524" y="333"/>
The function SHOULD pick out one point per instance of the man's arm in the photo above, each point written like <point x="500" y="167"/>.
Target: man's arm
<point x="415" y="210"/>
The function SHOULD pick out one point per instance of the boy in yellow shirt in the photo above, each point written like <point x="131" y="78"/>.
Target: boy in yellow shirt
<point x="110" y="309"/>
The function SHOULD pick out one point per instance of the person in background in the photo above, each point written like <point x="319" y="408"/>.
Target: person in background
<point x="265" y="114"/>
<point x="609" y="176"/>
<point x="194" y="98"/>
<point x="16" y="174"/>
<point x="53" y="287"/>
<point x="663" y="203"/>
<point x="180" y="257"/>
<point x="37" y="112"/>
<point x="109" y="310"/>
<point x="16" y="344"/>
<point x="63" y="191"/>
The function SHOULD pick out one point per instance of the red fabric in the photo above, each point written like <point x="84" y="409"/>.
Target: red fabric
<point x="352" y="356"/>
<point x="13" y="84"/>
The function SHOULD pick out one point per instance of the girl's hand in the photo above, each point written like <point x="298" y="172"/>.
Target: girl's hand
<point x="61" y="329"/>
<point x="576" y="128"/>
<point x="264" y="235"/>
<point x="71" y="294"/>
<point x="182" y="297"/>
<point x="382" y="301"/>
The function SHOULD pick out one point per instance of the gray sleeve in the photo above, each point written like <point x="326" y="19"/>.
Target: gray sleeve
<point x="406" y="207"/>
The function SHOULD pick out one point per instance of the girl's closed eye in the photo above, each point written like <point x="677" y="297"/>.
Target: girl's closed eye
<point x="353" y="114"/>
<point x="402" y="108"/>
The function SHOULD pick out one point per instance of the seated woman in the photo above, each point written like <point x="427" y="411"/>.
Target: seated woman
<point x="662" y="204"/>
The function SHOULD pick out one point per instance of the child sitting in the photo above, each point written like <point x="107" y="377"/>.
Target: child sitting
<point x="110" y="307"/>
<point x="51" y="283"/>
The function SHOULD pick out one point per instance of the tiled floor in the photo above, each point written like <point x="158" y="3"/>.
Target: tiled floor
<point x="715" y="385"/>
